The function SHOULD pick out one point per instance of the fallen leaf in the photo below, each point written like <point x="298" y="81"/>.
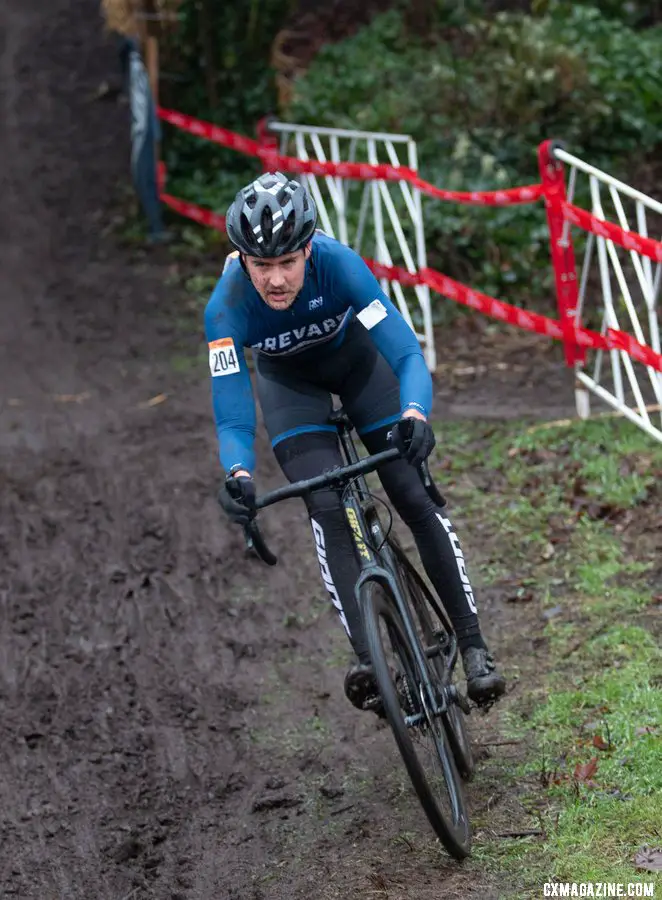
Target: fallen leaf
<point x="549" y="551"/>
<point x="586" y="771"/>
<point x="656" y="599"/>
<point x="600" y="743"/>
<point x="649" y="859"/>
<point x="154" y="401"/>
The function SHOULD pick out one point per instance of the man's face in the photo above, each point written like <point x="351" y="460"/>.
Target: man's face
<point x="278" y="279"/>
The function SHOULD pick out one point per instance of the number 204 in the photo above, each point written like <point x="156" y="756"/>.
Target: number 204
<point x="224" y="361"/>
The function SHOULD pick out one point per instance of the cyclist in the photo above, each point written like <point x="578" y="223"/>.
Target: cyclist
<point x="319" y="324"/>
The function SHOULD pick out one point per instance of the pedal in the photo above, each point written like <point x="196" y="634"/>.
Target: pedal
<point x="442" y="638"/>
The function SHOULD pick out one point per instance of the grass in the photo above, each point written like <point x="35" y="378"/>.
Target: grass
<point x="601" y="736"/>
<point x="556" y="510"/>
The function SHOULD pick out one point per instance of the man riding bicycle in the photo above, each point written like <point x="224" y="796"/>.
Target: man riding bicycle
<point x="319" y="324"/>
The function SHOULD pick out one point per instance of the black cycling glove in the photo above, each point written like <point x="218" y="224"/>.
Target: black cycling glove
<point x="414" y="438"/>
<point x="237" y="497"/>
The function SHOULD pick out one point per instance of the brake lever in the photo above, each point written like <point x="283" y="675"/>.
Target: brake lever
<point x="256" y="544"/>
<point x="429" y="485"/>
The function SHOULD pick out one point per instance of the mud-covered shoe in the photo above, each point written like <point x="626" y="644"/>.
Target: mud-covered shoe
<point x="485" y="684"/>
<point x="361" y="688"/>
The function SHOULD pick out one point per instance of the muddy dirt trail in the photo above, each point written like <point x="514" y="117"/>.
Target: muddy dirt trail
<point x="172" y="723"/>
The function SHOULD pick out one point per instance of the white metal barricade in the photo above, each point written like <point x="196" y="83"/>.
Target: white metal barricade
<point x="624" y="294"/>
<point x="382" y="220"/>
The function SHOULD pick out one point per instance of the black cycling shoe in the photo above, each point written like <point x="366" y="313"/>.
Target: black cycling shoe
<point x="484" y="682"/>
<point x="361" y="688"/>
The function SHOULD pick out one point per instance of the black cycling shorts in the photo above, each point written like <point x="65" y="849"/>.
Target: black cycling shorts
<point x="295" y="391"/>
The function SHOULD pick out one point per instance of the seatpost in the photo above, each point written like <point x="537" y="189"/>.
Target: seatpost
<point x="343" y="423"/>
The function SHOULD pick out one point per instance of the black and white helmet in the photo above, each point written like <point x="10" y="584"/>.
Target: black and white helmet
<point x="271" y="216"/>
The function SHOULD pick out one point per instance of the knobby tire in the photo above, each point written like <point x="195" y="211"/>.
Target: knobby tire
<point x="455" y="832"/>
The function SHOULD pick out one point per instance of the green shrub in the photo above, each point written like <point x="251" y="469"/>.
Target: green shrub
<point x="478" y="100"/>
<point x="635" y="13"/>
<point x="233" y="89"/>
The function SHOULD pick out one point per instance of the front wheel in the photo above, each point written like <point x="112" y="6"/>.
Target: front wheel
<point x="419" y="732"/>
<point x="434" y="627"/>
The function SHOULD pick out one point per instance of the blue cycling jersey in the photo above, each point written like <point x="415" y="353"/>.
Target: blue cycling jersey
<point x="337" y="286"/>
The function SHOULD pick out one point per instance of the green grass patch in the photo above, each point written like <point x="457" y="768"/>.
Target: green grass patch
<point x="599" y="758"/>
<point x="556" y="510"/>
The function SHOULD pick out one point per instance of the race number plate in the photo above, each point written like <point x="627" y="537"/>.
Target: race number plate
<point x="223" y="357"/>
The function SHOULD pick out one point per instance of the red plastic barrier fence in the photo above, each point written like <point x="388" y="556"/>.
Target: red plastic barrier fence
<point x="513" y="315"/>
<point x="552" y="190"/>
<point x="626" y="239"/>
<point x="273" y="160"/>
<point x="562" y="252"/>
<point x="198" y="213"/>
<point x="210" y="132"/>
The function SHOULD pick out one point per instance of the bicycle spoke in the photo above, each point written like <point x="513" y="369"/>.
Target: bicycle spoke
<point x="427" y="738"/>
<point x="418" y="730"/>
<point x="432" y="629"/>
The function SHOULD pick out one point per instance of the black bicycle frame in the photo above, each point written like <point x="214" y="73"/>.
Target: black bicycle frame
<point x="376" y="565"/>
<point x="379" y="565"/>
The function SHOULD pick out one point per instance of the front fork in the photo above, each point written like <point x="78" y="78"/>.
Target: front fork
<point x="437" y="700"/>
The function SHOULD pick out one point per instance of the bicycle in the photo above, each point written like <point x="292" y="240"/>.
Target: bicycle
<point x="409" y="635"/>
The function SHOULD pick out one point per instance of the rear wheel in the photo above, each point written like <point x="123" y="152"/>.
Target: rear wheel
<point x="419" y="733"/>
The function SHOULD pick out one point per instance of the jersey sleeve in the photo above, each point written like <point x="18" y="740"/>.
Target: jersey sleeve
<point x="232" y="394"/>
<point x="394" y="339"/>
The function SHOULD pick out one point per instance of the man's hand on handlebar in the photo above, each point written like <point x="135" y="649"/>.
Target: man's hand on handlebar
<point x="237" y="497"/>
<point x="413" y="436"/>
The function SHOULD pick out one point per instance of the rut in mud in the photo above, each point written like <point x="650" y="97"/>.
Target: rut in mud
<point x="172" y="722"/>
